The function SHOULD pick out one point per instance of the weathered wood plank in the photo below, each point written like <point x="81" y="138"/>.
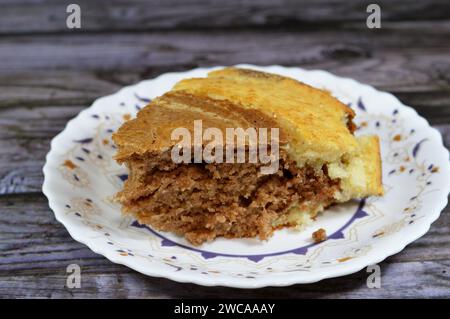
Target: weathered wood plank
<point x="426" y="92"/>
<point x="22" y="161"/>
<point x="65" y="88"/>
<point x="24" y="142"/>
<point x="35" y="251"/>
<point x="35" y="122"/>
<point x="140" y="51"/>
<point x="61" y="87"/>
<point x="406" y="280"/>
<point x="22" y="157"/>
<point x="106" y="15"/>
<point x="74" y="70"/>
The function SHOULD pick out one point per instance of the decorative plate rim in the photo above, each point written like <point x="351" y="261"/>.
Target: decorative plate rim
<point x="373" y="257"/>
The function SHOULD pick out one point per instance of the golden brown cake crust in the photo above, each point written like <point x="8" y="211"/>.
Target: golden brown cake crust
<point x="231" y="72"/>
<point x="320" y="125"/>
<point x="151" y="130"/>
<point x="370" y="151"/>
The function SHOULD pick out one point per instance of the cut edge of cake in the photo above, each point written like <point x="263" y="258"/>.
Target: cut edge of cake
<point x="355" y="163"/>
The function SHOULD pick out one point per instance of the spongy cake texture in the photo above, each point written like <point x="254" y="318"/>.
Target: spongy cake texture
<point x="320" y="126"/>
<point x="321" y="161"/>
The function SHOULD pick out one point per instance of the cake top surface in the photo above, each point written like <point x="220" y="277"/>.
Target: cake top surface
<point x="151" y="131"/>
<point x="319" y="124"/>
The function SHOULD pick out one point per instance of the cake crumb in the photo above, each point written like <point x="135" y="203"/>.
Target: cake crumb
<point x="319" y="235"/>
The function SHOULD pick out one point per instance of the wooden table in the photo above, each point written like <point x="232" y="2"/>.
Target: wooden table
<point x="49" y="73"/>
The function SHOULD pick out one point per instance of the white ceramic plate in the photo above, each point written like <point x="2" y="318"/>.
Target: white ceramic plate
<point x="81" y="177"/>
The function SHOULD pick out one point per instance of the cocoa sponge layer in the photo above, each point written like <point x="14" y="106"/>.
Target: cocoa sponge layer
<point x="205" y="201"/>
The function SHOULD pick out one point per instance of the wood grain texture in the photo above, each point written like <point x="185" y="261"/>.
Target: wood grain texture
<point x="39" y="16"/>
<point x="401" y="57"/>
<point x="49" y="73"/>
<point x="35" y="253"/>
<point x="421" y="43"/>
